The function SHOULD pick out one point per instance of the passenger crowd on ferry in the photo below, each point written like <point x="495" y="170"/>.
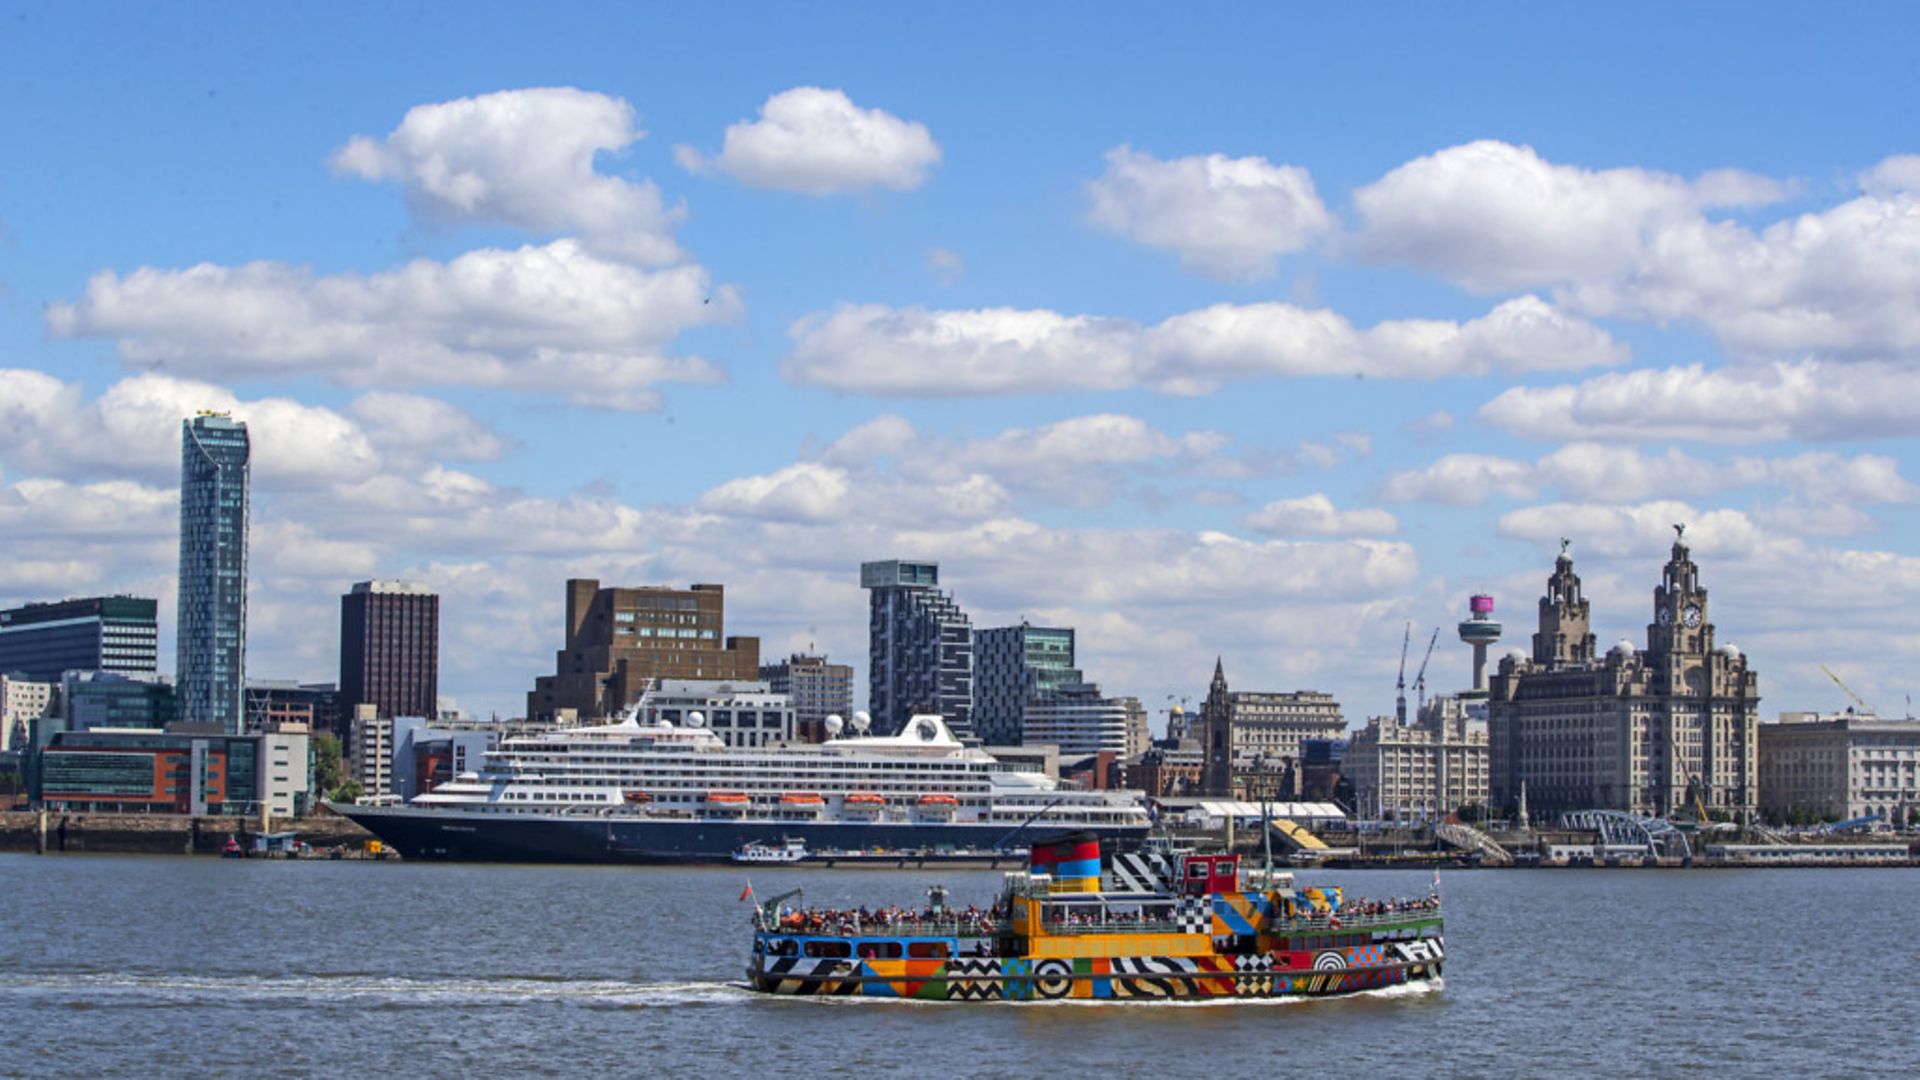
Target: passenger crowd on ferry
<point x="975" y="920"/>
<point x="969" y="920"/>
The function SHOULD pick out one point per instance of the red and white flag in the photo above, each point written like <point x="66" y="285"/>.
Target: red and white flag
<point x="746" y="892"/>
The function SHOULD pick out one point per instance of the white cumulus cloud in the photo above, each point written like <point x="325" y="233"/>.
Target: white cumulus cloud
<point x="920" y="352"/>
<point x="1316" y="515"/>
<point x="524" y="158"/>
<point x="1812" y="400"/>
<point x="1227" y="218"/>
<point x="1646" y="245"/>
<point x="816" y="141"/>
<point x="551" y="319"/>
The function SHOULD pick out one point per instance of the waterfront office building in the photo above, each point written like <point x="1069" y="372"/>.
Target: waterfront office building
<point x="743" y="714"/>
<point x="1251" y="737"/>
<point x="277" y="701"/>
<point x="620" y="641"/>
<point x="369" y="747"/>
<point x="101" y="633"/>
<point x="390" y="648"/>
<point x="1839" y="768"/>
<point x="1422" y="771"/>
<point x="919" y="648"/>
<point x="816" y="688"/>
<point x="1012" y="664"/>
<point x="428" y="753"/>
<point x="212" y="632"/>
<point x="1078" y="719"/>
<point x="105" y="699"/>
<point x="184" y="769"/>
<point x="1647" y="731"/>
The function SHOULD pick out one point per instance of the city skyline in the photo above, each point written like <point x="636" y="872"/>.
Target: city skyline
<point x="1221" y="350"/>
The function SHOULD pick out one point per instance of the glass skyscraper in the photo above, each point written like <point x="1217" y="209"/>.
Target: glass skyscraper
<point x="212" y="643"/>
<point x="1011" y="666"/>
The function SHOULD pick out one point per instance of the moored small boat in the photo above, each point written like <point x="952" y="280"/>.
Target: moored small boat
<point x="792" y="851"/>
<point x="1158" y="924"/>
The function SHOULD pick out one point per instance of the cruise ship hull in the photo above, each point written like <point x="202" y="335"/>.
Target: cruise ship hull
<point x="438" y="833"/>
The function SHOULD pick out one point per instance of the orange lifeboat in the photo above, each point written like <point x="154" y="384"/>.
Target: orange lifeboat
<point x="938" y="800"/>
<point x="638" y="796"/>
<point x="728" y="798"/>
<point x="802" y="798"/>
<point x="865" y="798"/>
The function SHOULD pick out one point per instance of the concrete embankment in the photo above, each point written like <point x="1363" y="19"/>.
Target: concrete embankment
<point x="156" y="834"/>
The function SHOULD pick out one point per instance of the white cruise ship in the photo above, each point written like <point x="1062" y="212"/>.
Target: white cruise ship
<point x="660" y="793"/>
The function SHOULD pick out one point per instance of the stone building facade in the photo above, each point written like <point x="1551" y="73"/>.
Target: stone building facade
<point x="1252" y="740"/>
<point x="1422" y="771"/>
<point x="1650" y="731"/>
<point x="1839" y="768"/>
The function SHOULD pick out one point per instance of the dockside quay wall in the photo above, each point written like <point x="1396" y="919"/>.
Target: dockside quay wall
<point x="162" y="834"/>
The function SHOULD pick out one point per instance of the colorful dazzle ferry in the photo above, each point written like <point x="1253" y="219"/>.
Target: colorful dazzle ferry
<point x="1163" y="924"/>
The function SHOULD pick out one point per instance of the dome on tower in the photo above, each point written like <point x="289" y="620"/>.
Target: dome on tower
<point x="1730" y="651"/>
<point x="1518" y="656"/>
<point x="1623" y="647"/>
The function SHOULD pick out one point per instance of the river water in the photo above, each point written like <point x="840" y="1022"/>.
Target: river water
<point x="126" y="965"/>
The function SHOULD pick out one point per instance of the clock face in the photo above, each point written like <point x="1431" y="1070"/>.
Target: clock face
<point x="1692" y="617"/>
<point x="1665" y="616"/>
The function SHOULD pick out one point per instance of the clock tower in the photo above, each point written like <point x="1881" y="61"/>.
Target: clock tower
<point x="1680" y="637"/>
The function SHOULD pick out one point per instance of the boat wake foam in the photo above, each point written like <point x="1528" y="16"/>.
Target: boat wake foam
<point x="168" y="990"/>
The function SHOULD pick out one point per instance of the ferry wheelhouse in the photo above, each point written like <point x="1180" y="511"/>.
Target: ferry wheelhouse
<point x="1162" y="924"/>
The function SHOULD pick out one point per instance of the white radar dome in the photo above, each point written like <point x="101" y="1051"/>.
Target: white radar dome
<point x="835" y="724"/>
<point x="696" y="719"/>
<point x="862" y="720"/>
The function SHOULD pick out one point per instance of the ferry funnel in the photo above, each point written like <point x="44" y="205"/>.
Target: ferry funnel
<point x="1073" y="861"/>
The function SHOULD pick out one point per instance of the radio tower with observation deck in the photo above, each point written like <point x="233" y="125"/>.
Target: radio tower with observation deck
<point x="1480" y="629"/>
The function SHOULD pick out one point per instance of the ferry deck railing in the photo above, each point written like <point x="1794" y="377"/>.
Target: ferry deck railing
<point x="991" y="927"/>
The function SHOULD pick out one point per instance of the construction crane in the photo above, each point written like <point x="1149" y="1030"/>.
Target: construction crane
<point x="1693" y="783"/>
<point x="1420" y="680"/>
<point x="1848" y="690"/>
<point x="1400" y="702"/>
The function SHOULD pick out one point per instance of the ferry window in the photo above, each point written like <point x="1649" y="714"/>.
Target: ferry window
<point x="926" y="950"/>
<point x="880" y="950"/>
<point x="828" y="948"/>
<point x="787" y="947"/>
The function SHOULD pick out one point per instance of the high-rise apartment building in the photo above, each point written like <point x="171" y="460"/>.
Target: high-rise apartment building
<point x="1011" y="665"/>
<point x="390" y="648"/>
<point x="211" y="652"/>
<point x="816" y="688"/>
<point x="920" y="648"/>
<point x="102" y="633"/>
<point x="621" y="641"/>
<point x="1649" y="731"/>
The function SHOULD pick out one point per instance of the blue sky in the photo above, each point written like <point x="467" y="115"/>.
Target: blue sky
<point x="1258" y="331"/>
